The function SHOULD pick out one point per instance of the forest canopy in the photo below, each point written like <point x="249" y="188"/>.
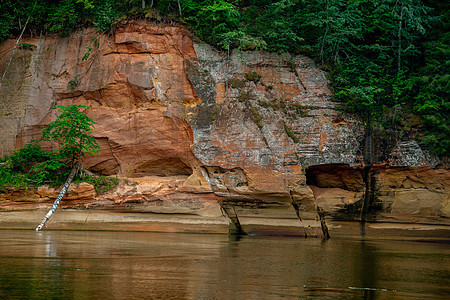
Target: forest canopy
<point x="388" y="60"/>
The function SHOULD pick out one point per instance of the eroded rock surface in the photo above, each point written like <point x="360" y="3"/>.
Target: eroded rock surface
<point x="418" y="192"/>
<point x="195" y="128"/>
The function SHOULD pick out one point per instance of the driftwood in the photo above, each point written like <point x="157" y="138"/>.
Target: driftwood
<point x="60" y="196"/>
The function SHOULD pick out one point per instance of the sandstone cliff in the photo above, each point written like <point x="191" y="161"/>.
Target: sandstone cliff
<point x="250" y="135"/>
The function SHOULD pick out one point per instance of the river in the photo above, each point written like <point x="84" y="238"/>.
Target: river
<point x="144" y="265"/>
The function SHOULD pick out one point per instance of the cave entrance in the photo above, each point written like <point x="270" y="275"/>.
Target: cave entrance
<point x="342" y="191"/>
<point x="172" y="166"/>
<point x="335" y="176"/>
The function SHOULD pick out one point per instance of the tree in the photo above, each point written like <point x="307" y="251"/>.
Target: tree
<point x="71" y="131"/>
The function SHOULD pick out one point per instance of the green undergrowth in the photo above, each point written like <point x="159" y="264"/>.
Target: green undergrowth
<point x="32" y="167"/>
<point x="102" y="184"/>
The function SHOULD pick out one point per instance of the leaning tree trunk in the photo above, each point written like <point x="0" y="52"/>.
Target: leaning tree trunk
<point x="14" y="49"/>
<point x="60" y="196"/>
<point x="17" y="42"/>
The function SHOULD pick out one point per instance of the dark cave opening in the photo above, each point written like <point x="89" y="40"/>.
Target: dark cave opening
<point x="172" y="166"/>
<point x="334" y="176"/>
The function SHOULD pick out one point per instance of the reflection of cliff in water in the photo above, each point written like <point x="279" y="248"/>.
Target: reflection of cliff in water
<point x="188" y="266"/>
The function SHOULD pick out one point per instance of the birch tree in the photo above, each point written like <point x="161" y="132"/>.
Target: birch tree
<point x="71" y="131"/>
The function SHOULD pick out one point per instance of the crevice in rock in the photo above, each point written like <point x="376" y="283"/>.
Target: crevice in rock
<point x="368" y="192"/>
<point x="321" y="215"/>
<point x="300" y="80"/>
<point x="297" y="212"/>
<point x="228" y="209"/>
<point x="367" y="176"/>
<point x="229" y="212"/>
<point x="323" y="223"/>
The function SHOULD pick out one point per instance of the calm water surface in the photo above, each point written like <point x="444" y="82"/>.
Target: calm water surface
<point x="142" y="265"/>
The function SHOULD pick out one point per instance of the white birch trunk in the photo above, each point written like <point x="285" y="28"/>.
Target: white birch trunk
<point x="179" y="7"/>
<point x="60" y="196"/>
<point x="15" y="46"/>
<point x="14" y="50"/>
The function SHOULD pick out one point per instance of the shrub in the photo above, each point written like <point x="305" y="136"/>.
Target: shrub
<point x="290" y="133"/>
<point x="32" y="166"/>
<point x="253" y="76"/>
<point x="10" y="178"/>
<point x="257" y="118"/>
<point x="23" y="159"/>
<point x="71" y="130"/>
<point x="243" y="97"/>
<point x="236" y="83"/>
<point x="26" y="46"/>
<point x="268" y="104"/>
<point x="102" y="184"/>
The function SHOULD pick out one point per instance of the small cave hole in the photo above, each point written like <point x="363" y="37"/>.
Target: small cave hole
<point x="334" y="176"/>
<point x="310" y="176"/>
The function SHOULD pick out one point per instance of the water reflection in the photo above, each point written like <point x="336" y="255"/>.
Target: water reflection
<point x="123" y="265"/>
<point x="368" y="266"/>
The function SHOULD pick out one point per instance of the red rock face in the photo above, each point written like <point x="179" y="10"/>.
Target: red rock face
<point x="197" y="126"/>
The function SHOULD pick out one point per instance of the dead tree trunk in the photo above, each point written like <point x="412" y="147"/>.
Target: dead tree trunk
<point x="60" y="196"/>
<point x="179" y="7"/>
<point x="14" y="50"/>
<point x="15" y="46"/>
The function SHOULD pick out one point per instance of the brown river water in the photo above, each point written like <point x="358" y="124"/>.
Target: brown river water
<point x="144" y="265"/>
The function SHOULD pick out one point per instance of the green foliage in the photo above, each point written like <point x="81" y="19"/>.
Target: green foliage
<point x="276" y="22"/>
<point x="11" y="178"/>
<point x="64" y="17"/>
<point x="256" y="117"/>
<point x="243" y="97"/>
<point x="105" y="16"/>
<point x="386" y="56"/>
<point x="31" y="165"/>
<point x="71" y="131"/>
<point x="27" y="46"/>
<point x="268" y="104"/>
<point x="429" y="86"/>
<point x="61" y="16"/>
<point x="7" y="19"/>
<point x="53" y="170"/>
<point x="300" y="111"/>
<point x="102" y="184"/>
<point x="215" y="21"/>
<point x="72" y="84"/>
<point x="253" y="76"/>
<point x="95" y="43"/>
<point x="290" y="133"/>
<point x="236" y="83"/>
<point x="22" y="159"/>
